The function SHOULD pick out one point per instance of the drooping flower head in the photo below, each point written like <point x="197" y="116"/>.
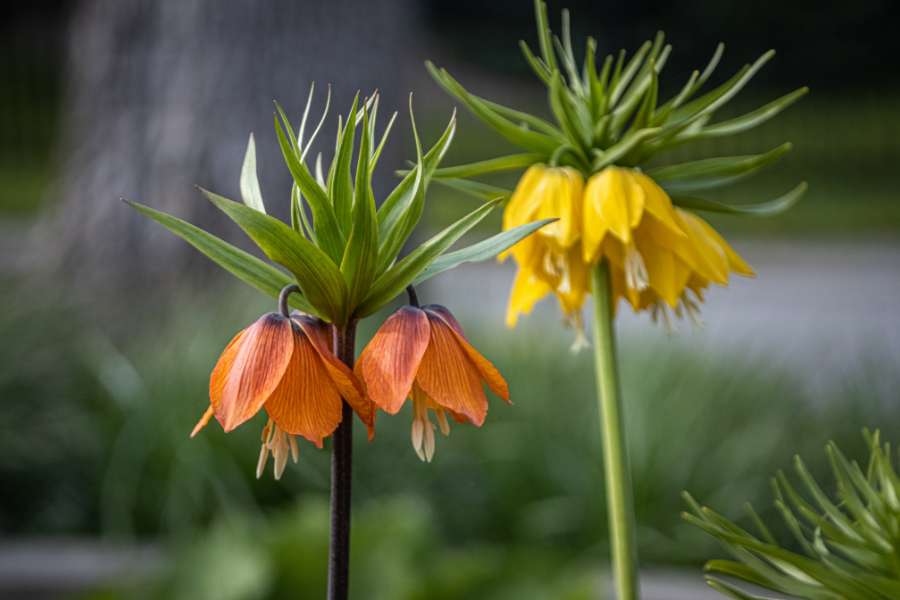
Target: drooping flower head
<point x="591" y="169"/>
<point x="284" y="365"/>
<point x="422" y="354"/>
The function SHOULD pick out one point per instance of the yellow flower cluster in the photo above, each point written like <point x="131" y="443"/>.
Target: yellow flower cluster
<point x="661" y="257"/>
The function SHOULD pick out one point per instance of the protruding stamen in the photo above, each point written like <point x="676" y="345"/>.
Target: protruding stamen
<point x="422" y="433"/>
<point x="692" y="308"/>
<point x="636" y="277"/>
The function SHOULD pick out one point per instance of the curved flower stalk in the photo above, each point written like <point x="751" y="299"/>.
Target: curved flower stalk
<point x="627" y="228"/>
<point x="341" y="262"/>
<point x="421" y="353"/>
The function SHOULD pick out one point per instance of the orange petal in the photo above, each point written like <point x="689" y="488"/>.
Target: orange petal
<point x="389" y="362"/>
<point x="243" y="384"/>
<point x="306" y="402"/>
<point x="448" y="376"/>
<point x="486" y="369"/>
<point x="346" y="382"/>
<point x="223" y="366"/>
<point x="203" y="420"/>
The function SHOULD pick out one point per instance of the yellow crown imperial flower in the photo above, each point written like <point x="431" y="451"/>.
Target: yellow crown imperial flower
<point x="591" y="170"/>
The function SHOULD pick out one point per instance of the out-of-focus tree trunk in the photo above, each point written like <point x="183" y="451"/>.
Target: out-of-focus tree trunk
<point x="162" y="96"/>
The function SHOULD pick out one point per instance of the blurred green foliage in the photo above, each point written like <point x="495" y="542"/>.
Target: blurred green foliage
<point x="101" y="446"/>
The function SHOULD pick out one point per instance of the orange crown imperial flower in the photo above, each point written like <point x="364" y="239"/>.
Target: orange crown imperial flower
<point x="284" y="364"/>
<point x="421" y="353"/>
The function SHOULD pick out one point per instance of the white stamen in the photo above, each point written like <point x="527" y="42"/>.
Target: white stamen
<point x="636" y="277"/>
<point x="428" y="446"/>
<point x="418" y="433"/>
<point x="693" y="311"/>
<point x="263" y="458"/>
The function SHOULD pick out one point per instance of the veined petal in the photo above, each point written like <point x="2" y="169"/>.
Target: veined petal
<point x="448" y="377"/>
<point x="345" y="381"/>
<point x="486" y="369"/>
<point x="575" y="282"/>
<point x="527" y="290"/>
<point x="709" y="253"/>
<point x="667" y="273"/>
<point x="657" y="202"/>
<point x="306" y="402"/>
<point x="562" y="199"/>
<point x="388" y="364"/>
<point x="614" y="203"/>
<point x="521" y="208"/>
<point x="217" y="380"/>
<point x="241" y="384"/>
<point x="735" y="262"/>
<point x="526" y="198"/>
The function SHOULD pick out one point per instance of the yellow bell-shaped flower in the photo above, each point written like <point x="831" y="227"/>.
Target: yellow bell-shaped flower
<point x="661" y="257"/>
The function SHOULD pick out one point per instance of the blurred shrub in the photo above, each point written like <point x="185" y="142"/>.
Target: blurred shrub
<point x="397" y="555"/>
<point x="93" y="437"/>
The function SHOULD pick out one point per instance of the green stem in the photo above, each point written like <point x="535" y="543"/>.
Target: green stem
<point x="615" y="457"/>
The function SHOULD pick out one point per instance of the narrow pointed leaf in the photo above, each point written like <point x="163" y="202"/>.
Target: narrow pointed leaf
<point x="493" y="165"/>
<point x="714" y="172"/>
<point x="476" y="189"/>
<point x="340" y="179"/>
<point x="250" y="192"/>
<point x="751" y="119"/>
<point x="318" y="277"/>
<point x="361" y="255"/>
<point x="328" y="234"/>
<point x="239" y="263"/>
<point x="763" y="209"/>
<point x="393" y="281"/>
<point x="483" y="250"/>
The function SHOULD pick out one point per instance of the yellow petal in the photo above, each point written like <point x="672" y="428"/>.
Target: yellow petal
<point x="526" y="291"/>
<point x="657" y="202"/>
<point x="710" y="258"/>
<point x="614" y="203"/>
<point x="526" y="198"/>
<point x="735" y="262"/>
<point x="562" y="199"/>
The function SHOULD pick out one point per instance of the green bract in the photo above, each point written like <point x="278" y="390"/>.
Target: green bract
<point x="848" y="544"/>
<point x="611" y="114"/>
<point x="341" y="248"/>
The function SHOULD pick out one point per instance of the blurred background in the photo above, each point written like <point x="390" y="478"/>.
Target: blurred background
<point x="110" y="325"/>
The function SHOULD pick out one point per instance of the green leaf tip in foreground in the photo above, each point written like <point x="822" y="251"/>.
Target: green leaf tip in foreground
<point x="846" y="540"/>
<point x="318" y="277"/>
<point x="243" y="265"/>
<point x="483" y="250"/>
<point x="250" y="192"/>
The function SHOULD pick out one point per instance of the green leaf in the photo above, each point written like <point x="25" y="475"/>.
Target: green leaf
<point x="393" y="281"/>
<point x="530" y="140"/>
<point x="483" y="250"/>
<point x="340" y="180"/>
<point x="763" y="209"/>
<point x="623" y="147"/>
<point x="361" y="255"/>
<point x="476" y="189"/>
<point x="250" y="192"/>
<point x="751" y="119"/>
<point x="401" y="211"/>
<point x="328" y="235"/>
<point x="493" y="165"/>
<point x="714" y="172"/>
<point x="239" y="263"/>
<point x="318" y="277"/>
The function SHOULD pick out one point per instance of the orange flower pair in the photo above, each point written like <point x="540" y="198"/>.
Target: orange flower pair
<point x="285" y="366"/>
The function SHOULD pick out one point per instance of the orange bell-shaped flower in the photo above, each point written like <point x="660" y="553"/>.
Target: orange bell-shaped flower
<point x="421" y="353"/>
<point x="284" y="365"/>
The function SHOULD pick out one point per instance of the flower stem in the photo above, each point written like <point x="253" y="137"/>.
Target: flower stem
<point x="341" y="478"/>
<point x="615" y="457"/>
